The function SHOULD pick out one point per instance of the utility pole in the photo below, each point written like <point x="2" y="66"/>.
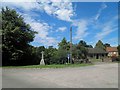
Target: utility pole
<point x="71" y="45"/>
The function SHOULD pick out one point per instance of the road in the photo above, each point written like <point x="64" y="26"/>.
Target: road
<point x="97" y="76"/>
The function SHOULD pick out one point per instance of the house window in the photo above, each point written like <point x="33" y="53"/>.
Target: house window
<point x="114" y="52"/>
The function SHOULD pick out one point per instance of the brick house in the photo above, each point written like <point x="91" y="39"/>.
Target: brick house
<point x="112" y="51"/>
<point x="97" y="53"/>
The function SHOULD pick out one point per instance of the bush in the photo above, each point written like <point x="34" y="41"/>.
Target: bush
<point x="115" y="58"/>
<point x="118" y="58"/>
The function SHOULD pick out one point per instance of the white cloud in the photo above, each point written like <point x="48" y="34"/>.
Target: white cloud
<point x="107" y="28"/>
<point x="81" y="29"/>
<point x="64" y="14"/>
<point x="43" y="32"/>
<point x="106" y="31"/>
<point x="26" y="6"/>
<point x="49" y="41"/>
<point x="103" y="6"/>
<point x="17" y="1"/>
<point x="61" y="29"/>
<point x="61" y="10"/>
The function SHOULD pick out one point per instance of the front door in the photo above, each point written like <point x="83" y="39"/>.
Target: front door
<point x="97" y="56"/>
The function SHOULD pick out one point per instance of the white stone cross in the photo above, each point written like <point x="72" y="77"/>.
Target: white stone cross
<point x="42" y="54"/>
<point x="42" y="59"/>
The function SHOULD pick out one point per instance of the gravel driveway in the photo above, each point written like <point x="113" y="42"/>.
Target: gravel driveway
<point x="97" y="76"/>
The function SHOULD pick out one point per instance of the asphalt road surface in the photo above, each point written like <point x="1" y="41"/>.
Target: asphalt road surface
<point x="97" y="76"/>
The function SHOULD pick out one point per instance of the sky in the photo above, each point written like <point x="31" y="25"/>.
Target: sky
<point x="90" y="21"/>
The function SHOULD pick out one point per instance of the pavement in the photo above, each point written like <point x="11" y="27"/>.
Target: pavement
<point x="96" y="76"/>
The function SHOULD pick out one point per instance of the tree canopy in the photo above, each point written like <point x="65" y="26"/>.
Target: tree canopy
<point x="118" y="49"/>
<point x="107" y="45"/>
<point x="100" y="44"/>
<point x="16" y="35"/>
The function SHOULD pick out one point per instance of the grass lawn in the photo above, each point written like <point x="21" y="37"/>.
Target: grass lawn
<point x="49" y="66"/>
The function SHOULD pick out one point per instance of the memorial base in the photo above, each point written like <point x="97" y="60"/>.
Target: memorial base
<point x="42" y="62"/>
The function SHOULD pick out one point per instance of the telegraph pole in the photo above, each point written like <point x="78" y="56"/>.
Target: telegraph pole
<point x="71" y="45"/>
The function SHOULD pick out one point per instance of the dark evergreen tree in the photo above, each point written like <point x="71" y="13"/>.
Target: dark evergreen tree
<point x="100" y="44"/>
<point x="16" y="36"/>
<point x="107" y="45"/>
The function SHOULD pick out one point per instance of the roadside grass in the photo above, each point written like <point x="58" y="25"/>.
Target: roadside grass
<point x="49" y="66"/>
<point x="95" y="60"/>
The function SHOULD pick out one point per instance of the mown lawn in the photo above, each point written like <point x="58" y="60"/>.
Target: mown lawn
<point x="50" y="66"/>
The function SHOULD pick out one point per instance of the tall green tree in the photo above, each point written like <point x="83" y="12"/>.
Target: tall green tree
<point x="63" y="50"/>
<point x="16" y="36"/>
<point x="64" y="44"/>
<point x="100" y="44"/>
<point x="77" y="51"/>
<point x="82" y="50"/>
<point x="50" y="53"/>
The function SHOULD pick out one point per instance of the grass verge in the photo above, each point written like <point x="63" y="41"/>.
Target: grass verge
<point x="95" y="60"/>
<point x="49" y="66"/>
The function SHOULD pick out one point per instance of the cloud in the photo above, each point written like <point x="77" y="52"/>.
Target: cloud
<point x="49" y="41"/>
<point x="103" y="6"/>
<point x="17" y="1"/>
<point x="61" y="10"/>
<point x="106" y="31"/>
<point x="113" y="41"/>
<point x="81" y="29"/>
<point x="26" y="6"/>
<point x="61" y="29"/>
<point x="107" y="28"/>
<point x="43" y="32"/>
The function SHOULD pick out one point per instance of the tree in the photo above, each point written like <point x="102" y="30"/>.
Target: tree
<point x="1" y="38"/>
<point x="38" y="53"/>
<point x="82" y="43"/>
<point x="81" y="51"/>
<point x="64" y="44"/>
<point x="99" y="44"/>
<point x="61" y="56"/>
<point x="50" y="53"/>
<point x="63" y="50"/>
<point x="16" y="36"/>
<point x="89" y="46"/>
<point x="107" y="45"/>
<point x="118" y="49"/>
<point x="77" y="52"/>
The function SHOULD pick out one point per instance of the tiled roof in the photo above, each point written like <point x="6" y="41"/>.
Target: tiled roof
<point x="111" y="49"/>
<point x="96" y="51"/>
